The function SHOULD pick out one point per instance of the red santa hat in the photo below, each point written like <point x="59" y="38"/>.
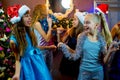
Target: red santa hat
<point x="103" y="8"/>
<point x="16" y="12"/>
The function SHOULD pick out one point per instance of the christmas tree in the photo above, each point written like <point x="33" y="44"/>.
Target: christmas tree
<point x="7" y="59"/>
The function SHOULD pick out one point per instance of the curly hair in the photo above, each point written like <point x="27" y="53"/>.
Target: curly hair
<point x="39" y="12"/>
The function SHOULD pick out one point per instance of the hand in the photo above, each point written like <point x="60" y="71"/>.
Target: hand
<point x="49" y="20"/>
<point x="15" y="77"/>
<point x="60" y="30"/>
<point x="113" y="47"/>
<point x="53" y="47"/>
<point x="59" y="44"/>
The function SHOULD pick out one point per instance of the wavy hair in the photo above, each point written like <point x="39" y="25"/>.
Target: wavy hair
<point x="105" y="30"/>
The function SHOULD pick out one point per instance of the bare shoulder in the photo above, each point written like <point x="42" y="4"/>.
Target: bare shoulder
<point x="36" y="25"/>
<point x="11" y="42"/>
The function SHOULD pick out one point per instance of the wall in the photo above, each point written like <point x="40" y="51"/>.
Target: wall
<point x="114" y="14"/>
<point x="83" y="5"/>
<point x="30" y="3"/>
<point x="114" y="11"/>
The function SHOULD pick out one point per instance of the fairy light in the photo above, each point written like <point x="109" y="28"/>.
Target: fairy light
<point x="65" y="3"/>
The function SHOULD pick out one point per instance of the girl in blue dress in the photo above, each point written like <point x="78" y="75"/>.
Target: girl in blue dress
<point x="30" y="64"/>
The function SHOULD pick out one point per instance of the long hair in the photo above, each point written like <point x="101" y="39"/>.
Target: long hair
<point x="105" y="30"/>
<point x="74" y="31"/>
<point x="20" y="31"/>
<point x="115" y="31"/>
<point x="39" y="12"/>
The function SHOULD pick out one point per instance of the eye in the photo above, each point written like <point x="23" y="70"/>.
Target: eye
<point x="87" y="22"/>
<point x="27" y="15"/>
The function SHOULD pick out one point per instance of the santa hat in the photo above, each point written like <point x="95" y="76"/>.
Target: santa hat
<point x="16" y="12"/>
<point x="103" y="8"/>
<point x="81" y="16"/>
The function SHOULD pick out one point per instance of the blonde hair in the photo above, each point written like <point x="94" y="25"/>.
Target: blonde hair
<point x="39" y="12"/>
<point x="101" y="20"/>
<point x="105" y="30"/>
<point x="95" y="18"/>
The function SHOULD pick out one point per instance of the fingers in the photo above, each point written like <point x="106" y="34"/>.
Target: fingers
<point x="59" y="44"/>
<point x="114" y="46"/>
<point x="60" y="30"/>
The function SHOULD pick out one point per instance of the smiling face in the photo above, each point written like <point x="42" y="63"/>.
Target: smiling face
<point x="91" y="23"/>
<point x="27" y="19"/>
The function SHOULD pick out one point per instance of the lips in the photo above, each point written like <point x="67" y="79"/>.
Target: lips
<point x="28" y="22"/>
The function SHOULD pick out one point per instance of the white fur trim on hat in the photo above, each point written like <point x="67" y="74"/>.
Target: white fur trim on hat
<point x="23" y="9"/>
<point x="15" y="19"/>
<point x="99" y="10"/>
<point x="81" y="16"/>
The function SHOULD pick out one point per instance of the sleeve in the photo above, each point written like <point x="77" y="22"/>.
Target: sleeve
<point x="78" y="50"/>
<point x="65" y="50"/>
<point x="12" y="37"/>
<point x="103" y="45"/>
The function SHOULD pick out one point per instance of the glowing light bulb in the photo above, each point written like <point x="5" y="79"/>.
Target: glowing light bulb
<point x="65" y="3"/>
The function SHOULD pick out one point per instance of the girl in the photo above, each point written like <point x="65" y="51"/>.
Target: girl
<point x="90" y="45"/>
<point x="30" y="64"/>
<point x="70" y="38"/>
<point x="114" y="69"/>
<point x="43" y="31"/>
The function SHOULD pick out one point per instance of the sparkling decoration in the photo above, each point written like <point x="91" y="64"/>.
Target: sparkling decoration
<point x="7" y="59"/>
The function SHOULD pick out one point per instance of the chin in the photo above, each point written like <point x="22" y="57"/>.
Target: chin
<point x="28" y="25"/>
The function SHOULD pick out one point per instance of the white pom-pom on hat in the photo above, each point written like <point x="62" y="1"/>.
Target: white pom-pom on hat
<point x="21" y="11"/>
<point x="103" y="8"/>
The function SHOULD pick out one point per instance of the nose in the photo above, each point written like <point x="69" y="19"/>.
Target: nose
<point x="30" y="18"/>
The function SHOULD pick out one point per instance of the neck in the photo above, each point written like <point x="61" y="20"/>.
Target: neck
<point x="92" y="36"/>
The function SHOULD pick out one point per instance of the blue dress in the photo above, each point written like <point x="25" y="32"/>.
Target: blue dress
<point x="33" y="66"/>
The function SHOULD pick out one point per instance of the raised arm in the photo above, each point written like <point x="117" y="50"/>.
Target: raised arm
<point x="111" y="50"/>
<point x="38" y="27"/>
